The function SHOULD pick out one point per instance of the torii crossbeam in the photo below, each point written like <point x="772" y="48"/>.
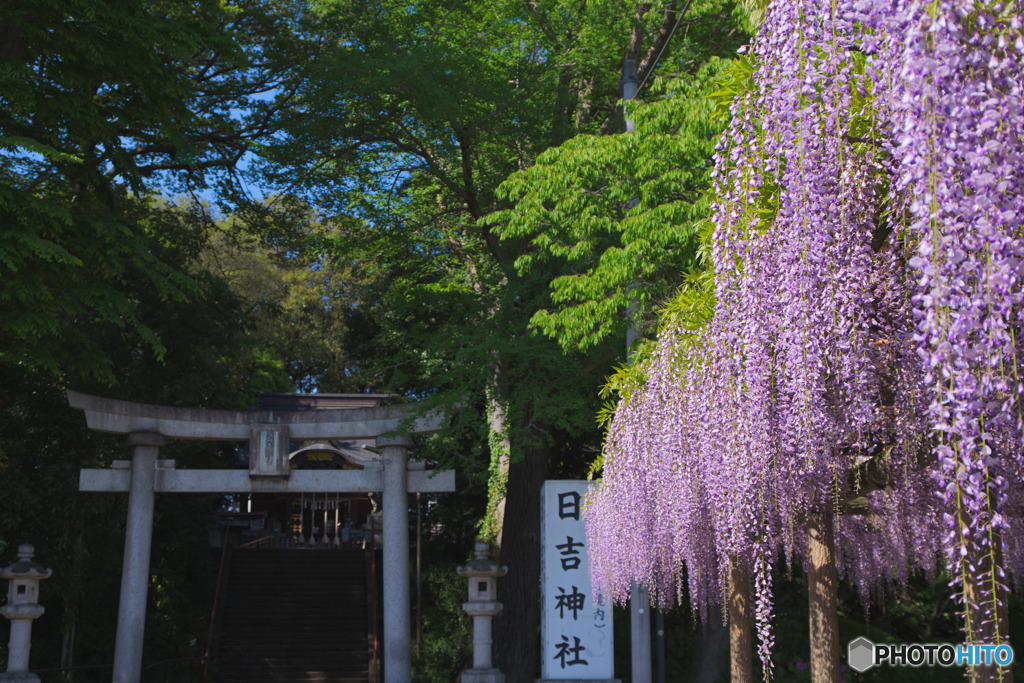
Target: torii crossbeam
<point x="268" y="433"/>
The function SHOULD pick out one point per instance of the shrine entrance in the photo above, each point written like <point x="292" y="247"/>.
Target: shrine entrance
<point x="270" y="479"/>
<point x="320" y="521"/>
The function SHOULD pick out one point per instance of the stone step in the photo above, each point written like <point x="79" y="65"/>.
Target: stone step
<point x="255" y="663"/>
<point x="248" y="639"/>
<point x="257" y="674"/>
<point x="268" y="600"/>
<point x="271" y="590"/>
<point x="298" y="616"/>
<point x="295" y="615"/>
<point x="262" y="644"/>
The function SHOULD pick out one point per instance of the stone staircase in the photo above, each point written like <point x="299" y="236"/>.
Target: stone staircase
<point x="295" y="615"/>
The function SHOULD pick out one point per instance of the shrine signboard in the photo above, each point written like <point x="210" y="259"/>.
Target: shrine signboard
<point x="269" y="446"/>
<point x="576" y="626"/>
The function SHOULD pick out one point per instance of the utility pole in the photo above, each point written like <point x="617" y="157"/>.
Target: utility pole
<point x="630" y="87"/>
<point x="639" y="602"/>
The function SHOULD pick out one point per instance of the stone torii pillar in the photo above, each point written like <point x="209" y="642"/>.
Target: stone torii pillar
<point x="138" y="540"/>
<point x="397" y="621"/>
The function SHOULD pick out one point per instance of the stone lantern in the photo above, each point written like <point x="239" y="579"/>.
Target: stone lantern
<point x="482" y="606"/>
<point x="21" y="609"/>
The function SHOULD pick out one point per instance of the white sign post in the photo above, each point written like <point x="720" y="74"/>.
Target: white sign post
<point x="576" y="625"/>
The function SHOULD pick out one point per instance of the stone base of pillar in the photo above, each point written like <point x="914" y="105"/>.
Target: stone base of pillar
<point x="482" y="676"/>
<point x="19" y="677"/>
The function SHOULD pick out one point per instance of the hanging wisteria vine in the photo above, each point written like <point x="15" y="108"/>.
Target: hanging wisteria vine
<point x="865" y="344"/>
<point x="957" y="118"/>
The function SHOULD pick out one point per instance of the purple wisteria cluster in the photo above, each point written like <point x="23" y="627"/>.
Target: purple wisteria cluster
<point x="867" y="252"/>
<point x="956" y="115"/>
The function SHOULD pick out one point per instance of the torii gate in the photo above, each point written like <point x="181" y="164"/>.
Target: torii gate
<point x="268" y="434"/>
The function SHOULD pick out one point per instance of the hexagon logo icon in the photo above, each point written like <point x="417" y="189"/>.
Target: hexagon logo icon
<point x="861" y="654"/>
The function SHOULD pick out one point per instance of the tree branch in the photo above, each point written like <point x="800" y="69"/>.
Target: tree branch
<point x="636" y="34"/>
<point x="222" y="162"/>
<point x="670" y="20"/>
<point x="542" y="21"/>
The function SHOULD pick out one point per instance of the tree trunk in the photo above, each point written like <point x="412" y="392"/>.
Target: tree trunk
<point x="500" y="450"/>
<point x="741" y="648"/>
<point x="712" y="643"/>
<point x="67" y="651"/>
<point x="517" y="627"/>
<point x="822" y="598"/>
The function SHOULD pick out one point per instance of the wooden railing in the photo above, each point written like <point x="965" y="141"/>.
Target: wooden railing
<point x="175" y="670"/>
<point x="216" y="602"/>
<point x="80" y="672"/>
<point x="374" y="626"/>
<point x="167" y="670"/>
<point x="262" y="542"/>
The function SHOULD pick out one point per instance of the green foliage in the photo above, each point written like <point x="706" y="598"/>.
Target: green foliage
<point x="100" y="102"/>
<point x="733" y="81"/>
<point x="446" y="645"/>
<point x="497" y="484"/>
<point x="302" y="294"/>
<point x="620" y="213"/>
<point x="409" y="119"/>
<point x="208" y="358"/>
<point x="441" y="102"/>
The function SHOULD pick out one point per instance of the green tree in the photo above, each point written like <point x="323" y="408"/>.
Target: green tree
<point x="101" y="104"/>
<point x="99" y="100"/>
<point x="619" y="215"/>
<point x="209" y="358"/>
<point x="409" y="119"/>
<point x="303" y="295"/>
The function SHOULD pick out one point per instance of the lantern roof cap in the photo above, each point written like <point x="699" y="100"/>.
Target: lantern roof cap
<point x="25" y="568"/>
<point x="482" y="565"/>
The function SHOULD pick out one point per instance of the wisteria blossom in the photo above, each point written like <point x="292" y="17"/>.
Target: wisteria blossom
<point x="867" y="257"/>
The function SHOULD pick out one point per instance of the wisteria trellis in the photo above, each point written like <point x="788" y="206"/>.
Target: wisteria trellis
<point x="867" y="254"/>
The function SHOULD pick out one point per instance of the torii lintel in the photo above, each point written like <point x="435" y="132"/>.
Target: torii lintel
<point x="125" y="417"/>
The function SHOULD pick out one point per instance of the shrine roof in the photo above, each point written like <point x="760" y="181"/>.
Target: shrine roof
<point x="283" y="401"/>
